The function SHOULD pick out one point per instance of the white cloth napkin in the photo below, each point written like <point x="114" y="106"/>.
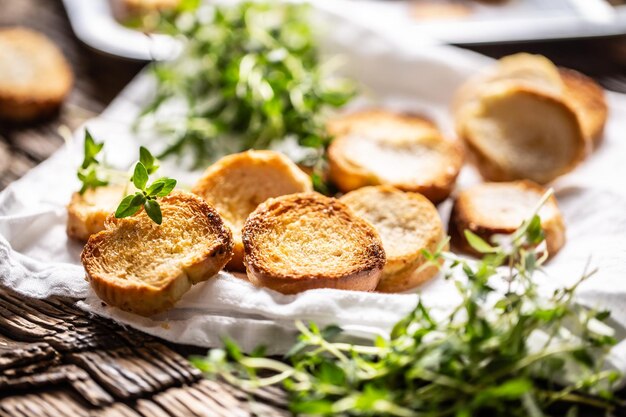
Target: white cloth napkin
<point x="37" y="259"/>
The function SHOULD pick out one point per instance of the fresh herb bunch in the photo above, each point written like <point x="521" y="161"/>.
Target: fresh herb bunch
<point x="90" y="173"/>
<point x="498" y="353"/>
<point x="147" y="195"/>
<point x="251" y="77"/>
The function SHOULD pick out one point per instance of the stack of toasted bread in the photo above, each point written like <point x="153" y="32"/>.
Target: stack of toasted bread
<point x="524" y="122"/>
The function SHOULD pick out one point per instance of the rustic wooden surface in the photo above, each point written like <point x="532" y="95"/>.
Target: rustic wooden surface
<point x="57" y="361"/>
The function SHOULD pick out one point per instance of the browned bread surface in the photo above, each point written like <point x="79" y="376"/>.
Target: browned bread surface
<point x="407" y="152"/>
<point x="500" y="208"/>
<point x="516" y="132"/>
<point x="87" y="213"/>
<point x="145" y="268"/>
<point x="303" y="241"/>
<point x="236" y="184"/>
<point x="407" y="224"/>
<point x="586" y="98"/>
<point x="34" y="75"/>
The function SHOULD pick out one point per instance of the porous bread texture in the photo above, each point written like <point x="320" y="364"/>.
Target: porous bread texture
<point x="407" y="223"/>
<point x="236" y="184"/>
<point x="490" y="209"/>
<point x="145" y="268"/>
<point x="87" y="212"/>
<point x="303" y="241"/>
<point x="35" y="77"/>
<point x="381" y="147"/>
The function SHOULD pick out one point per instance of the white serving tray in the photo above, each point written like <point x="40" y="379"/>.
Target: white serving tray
<point x="517" y="20"/>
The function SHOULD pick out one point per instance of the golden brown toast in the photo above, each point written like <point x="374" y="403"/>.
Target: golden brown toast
<point x="34" y="75"/>
<point x="87" y="213"/>
<point x="515" y="132"/>
<point x="489" y="209"/>
<point x="407" y="152"/>
<point x="587" y="99"/>
<point x="407" y="224"/>
<point x="298" y="242"/>
<point x="236" y="184"/>
<point x="527" y="130"/>
<point x="145" y="268"/>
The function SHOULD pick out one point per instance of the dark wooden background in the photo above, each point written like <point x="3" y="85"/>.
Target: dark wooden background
<point x="55" y="360"/>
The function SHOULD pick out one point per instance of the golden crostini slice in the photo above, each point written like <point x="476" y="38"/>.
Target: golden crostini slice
<point x="145" y="268"/>
<point x="380" y="123"/>
<point x="35" y="77"/>
<point x="303" y="241"/>
<point x="423" y="163"/>
<point x="87" y="212"/>
<point x="236" y="184"/>
<point x="519" y="133"/>
<point x="490" y="209"/>
<point x="407" y="223"/>
<point x="588" y="100"/>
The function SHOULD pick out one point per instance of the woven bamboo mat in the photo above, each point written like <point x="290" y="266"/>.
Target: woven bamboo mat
<point x="57" y="361"/>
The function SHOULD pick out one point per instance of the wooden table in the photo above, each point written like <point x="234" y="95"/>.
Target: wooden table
<point x="57" y="361"/>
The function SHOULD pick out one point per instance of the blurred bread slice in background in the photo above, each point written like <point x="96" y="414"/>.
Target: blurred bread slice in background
<point x="490" y="209"/>
<point x="375" y="147"/>
<point x="407" y="223"/>
<point x="35" y="77"/>
<point x="87" y="212"/>
<point x="236" y="184"/>
<point x="299" y="242"/>
<point x="587" y="98"/>
<point x="525" y="118"/>
<point x="141" y="14"/>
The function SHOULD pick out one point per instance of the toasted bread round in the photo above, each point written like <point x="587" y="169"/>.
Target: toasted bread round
<point x="516" y="132"/>
<point x="500" y="208"/>
<point x="145" y="268"/>
<point x="380" y="123"/>
<point x="406" y="152"/>
<point x="303" y="241"/>
<point x="407" y="224"/>
<point x="236" y="184"/>
<point x="34" y="75"/>
<point x="587" y="99"/>
<point x="87" y="212"/>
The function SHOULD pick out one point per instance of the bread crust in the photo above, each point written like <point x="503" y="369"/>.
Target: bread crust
<point x="489" y="160"/>
<point x="511" y="204"/>
<point x="588" y="100"/>
<point x="298" y="242"/>
<point x="87" y="213"/>
<point x="35" y="77"/>
<point x="372" y="147"/>
<point x="236" y="184"/>
<point x="145" y="268"/>
<point x="408" y="223"/>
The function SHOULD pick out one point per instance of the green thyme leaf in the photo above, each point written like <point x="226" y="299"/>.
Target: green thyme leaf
<point x="148" y="161"/>
<point x="129" y="205"/>
<point x="140" y="176"/>
<point x="477" y="243"/>
<point x="153" y="210"/>
<point x="90" y="173"/>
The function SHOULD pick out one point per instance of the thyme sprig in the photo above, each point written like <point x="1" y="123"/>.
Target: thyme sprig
<point x="508" y="353"/>
<point x="251" y="76"/>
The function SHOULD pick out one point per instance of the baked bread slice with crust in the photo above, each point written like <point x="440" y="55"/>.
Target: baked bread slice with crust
<point x="516" y="132"/>
<point x="407" y="224"/>
<point x="236" y="184"/>
<point x="490" y="209"/>
<point x="145" y="268"/>
<point x="588" y="100"/>
<point x="406" y="152"/>
<point x="35" y="77"/>
<point x="87" y="212"/>
<point x="299" y="242"/>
